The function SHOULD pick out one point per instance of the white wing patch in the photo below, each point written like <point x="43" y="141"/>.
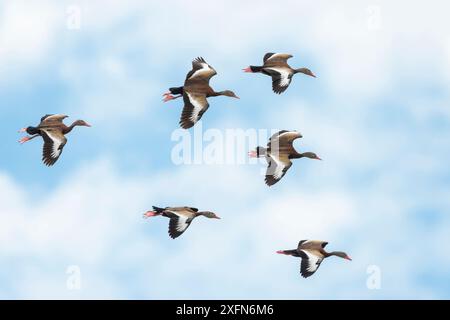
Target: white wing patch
<point x="178" y="224"/>
<point x="182" y="224"/>
<point x="56" y="147"/>
<point x="312" y="262"/>
<point x="276" y="167"/>
<point x="197" y="107"/>
<point x="285" y="76"/>
<point x="205" y="68"/>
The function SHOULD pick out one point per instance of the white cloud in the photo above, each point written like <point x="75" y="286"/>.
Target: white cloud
<point x="27" y="34"/>
<point x="93" y="219"/>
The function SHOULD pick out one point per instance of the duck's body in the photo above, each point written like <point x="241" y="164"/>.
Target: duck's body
<point x="279" y="153"/>
<point x="53" y="131"/>
<point x="180" y="217"/>
<point x="195" y="91"/>
<point x="312" y="253"/>
<point x="276" y="66"/>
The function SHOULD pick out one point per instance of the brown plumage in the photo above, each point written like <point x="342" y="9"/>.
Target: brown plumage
<point x="276" y="66"/>
<point x="53" y="131"/>
<point x="195" y="91"/>
<point x="279" y="152"/>
<point x="180" y="217"/>
<point x="312" y="253"/>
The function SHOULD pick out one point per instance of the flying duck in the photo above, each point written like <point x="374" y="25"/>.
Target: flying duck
<point x="312" y="253"/>
<point x="279" y="153"/>
<point x="195" y="91"/>
<point x="180" y="217"/>
<point x="53" y="131"/>
<point x="276" y="66"/>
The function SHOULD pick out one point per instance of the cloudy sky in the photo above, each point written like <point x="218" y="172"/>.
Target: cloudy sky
<point x="378" y="114"/>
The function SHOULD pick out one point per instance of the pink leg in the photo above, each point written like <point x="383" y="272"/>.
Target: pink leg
<point x="253" y="154"/>
<point x="169" y="97"/>
<point x="149" y="214"/>
<point x="22" y="130"/>
<point x="24" y="139"/>
<point x="248" y="69"/>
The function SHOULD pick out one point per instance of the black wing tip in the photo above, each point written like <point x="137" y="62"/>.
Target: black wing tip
<point x="199" y="59"/>
<point x="304" y="275"/>
<point x="279" y="90"/>
<point x="49" y="162"/>
<point x="186" y="125"/>
<point x="173" y="236"/>
<point x="270" y="181"/>
<point x="268" y="55"/>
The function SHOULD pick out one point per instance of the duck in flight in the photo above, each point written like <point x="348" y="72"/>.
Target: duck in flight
<point x="53" y="131"/>
<point x="276" y="66"/>
<point x="312" y="253"/>
<point x="180" y="217"/>
<point x="279" y="153"/>
<point x="195" y="91"/>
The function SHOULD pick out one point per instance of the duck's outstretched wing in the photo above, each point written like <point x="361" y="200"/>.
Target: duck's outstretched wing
<point x="54" y="142"/>
<point x="195" y="105"/>
<point x="201" y="71"/>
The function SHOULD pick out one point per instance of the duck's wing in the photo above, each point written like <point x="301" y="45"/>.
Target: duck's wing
<point x="276" y="57"/>
<point x="185" y="208"/>
<point x="195" y="105"/>
<point x="179" y="222"/>
<point x="51" y="119"/>
<point x="312" y="244"/>
<point x="311" y="260"/>
<point x="280" y="146"/>
<point x="278" y="165"/>
<point x="281" y="78"/>
<point x="201" y="71"/>
<point x="54" y="142"/>
<point x="282" y="142"/>
<point x="301" y="242"/>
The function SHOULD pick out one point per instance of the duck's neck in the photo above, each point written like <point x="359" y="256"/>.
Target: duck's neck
<point x="67" y="129"/>
<point x="217" y="93"/>
<point x="332" y="253"/>
<point x="199" y="213"/>
<point x="300" y="70"/>
<point x="297" y="155"/>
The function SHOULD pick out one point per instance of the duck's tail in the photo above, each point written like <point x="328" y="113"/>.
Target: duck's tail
<point x="176" y="90"/>
<point x="158" y="210"/>
<point x="259" y="152"/>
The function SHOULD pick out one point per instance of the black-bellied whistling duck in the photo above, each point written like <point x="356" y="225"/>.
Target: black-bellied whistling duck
<point x="180" y="217"/>
<point x="276" y="66"/>
<point x="52" y="130"/>
<point x="195" y="91"/>
<point x="279" y="153"/>
<point x="312" y="253"/>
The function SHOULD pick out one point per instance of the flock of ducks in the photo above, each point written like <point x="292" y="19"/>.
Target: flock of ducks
<point x="195" y="92"/>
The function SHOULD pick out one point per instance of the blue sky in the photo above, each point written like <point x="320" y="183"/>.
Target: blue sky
<point x="378" y="114"/>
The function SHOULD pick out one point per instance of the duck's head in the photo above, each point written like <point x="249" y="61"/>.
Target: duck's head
<point x="210" y="215"/>
<point x="311" y="155"/>
<point x="81" y="123"/>
<point x="230" y="93"/>
<point x="342" y="255"/>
